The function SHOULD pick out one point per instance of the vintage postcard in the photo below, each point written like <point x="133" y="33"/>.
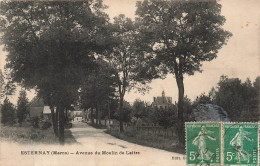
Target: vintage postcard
<point x="129" y="82"/>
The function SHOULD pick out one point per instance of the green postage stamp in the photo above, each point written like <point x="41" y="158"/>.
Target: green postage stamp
<point x="203" y="143"/>
<point x="240" y="144"/>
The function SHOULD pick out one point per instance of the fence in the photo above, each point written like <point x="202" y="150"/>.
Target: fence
<point x="135" y="129"/>
<point x="146" y="130"/>
<point x="104" y="122"/>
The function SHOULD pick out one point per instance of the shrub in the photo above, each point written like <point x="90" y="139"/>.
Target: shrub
<point x="8" y="113"/>
<point x="46" y="125"/>
<point x="35" y="122"/>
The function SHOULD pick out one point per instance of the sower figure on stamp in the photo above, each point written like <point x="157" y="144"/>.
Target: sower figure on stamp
<point x="237" y="141"/>
<point x="200" y="141"/>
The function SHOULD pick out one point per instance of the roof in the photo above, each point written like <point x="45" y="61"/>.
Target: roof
<point x="77" y="108"/>
<point x="36" y="111"/>
<point x="37" y="107"/>
<point x="37" y="102"/>
<point x="46" y="110"/>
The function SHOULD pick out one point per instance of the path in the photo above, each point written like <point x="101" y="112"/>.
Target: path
<point x="90" y="140"/>
<point x="97" y="139"/>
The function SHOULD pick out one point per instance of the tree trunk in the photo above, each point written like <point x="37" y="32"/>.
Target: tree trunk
<point x="66" y="117"/>
<point x="54" y="122"/>
<point x="99" y="115"/>
<point x="121" y="128"/>
<point x="61" y="125"/>
<point x="91" y="114"/>
<point x="109" y="113"/>
<point x="57" y="121"/>
<point x="97" y="112"/>
<point x="181" y="134"/>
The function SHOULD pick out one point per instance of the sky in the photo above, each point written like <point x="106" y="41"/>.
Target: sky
<point x="240" y="58"/>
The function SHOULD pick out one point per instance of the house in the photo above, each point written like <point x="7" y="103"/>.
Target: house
<point x="162" y="102"/>
<point x="77" y="113"/>
<point x="38" y="109"/>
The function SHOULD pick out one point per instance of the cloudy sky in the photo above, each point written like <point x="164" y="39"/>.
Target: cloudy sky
<point x="239" y="58"/>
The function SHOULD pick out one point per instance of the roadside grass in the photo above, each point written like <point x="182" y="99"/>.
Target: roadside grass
<point x="98" y="126"/>
<point x="29" y="135"/>
<point x="149" y="139"/>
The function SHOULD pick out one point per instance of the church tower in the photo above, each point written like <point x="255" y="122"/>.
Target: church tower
<point x="163" y="94"/>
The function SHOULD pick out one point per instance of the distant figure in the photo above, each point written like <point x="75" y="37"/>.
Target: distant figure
<point x="237" y="141"/>
<point x="200" y="141"/>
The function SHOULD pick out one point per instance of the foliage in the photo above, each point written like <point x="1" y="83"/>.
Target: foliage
<point x="22" y="106"/>
<point x="1" y="84"/>
<point x="238" y="98"/>
<point x="99" y="86"/>
<point x="125" y="61"/>
<point x="98" y="89"/>
<point x="35" y="122"/>
<point x="46" y="125"/>
<point x="256" y="86"/>
<point x="51" y="45"/>
<point x="126" y="113"/>
<point x="7" y="86"/>
<point x="7" y="113"/>
<point x="139" y="109"/>
<point x="202" y="99"/>
<point x="179" y="36"/>
<point x="164" y="117"/>
<point x="187" y="107"/>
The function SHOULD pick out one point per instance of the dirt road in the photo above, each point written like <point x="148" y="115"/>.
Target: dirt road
<point x="95" y="148"/>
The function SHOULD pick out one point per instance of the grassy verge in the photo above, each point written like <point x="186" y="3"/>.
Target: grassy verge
<point x="98" y="126"/>
<point x="149" y="139"/>
<point x="28" y="135"/>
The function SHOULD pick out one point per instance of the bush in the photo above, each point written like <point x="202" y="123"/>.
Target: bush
<point x="35" y="122"/>
<point x="8" y="113"/>
<point x="22" y="106"/>
<point x="46" y="125"/>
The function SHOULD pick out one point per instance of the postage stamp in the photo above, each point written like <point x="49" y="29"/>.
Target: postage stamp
<point x="240" y="144"/>
<point x="203" y="143"/>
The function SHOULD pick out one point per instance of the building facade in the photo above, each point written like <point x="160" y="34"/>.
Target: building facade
<point x="162" y="102"/>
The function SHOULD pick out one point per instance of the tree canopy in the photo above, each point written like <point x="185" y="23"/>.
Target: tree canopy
<point x="238" y="98"/>
<point x="179" y="36"/>
<point x="99" y="85"/>
<point x="51" y="45"/>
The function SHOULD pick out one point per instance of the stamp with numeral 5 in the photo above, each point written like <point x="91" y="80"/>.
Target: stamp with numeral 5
<point x="203" y="143"/>
<point x="240" y="144"/>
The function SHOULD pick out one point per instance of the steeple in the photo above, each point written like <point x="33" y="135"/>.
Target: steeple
<point x="163" y="94"/>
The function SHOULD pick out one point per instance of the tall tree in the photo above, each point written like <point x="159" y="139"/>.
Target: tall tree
<point x="139" y="109"/>
<point x="98" y="88"/>
<point x="22" y="106"/>
<point x="180" y="35"/>
<point x="7" y="112"/>
<point x="129" y="66"/>
<point x="51" y="45"/>
<point x="237" y="98"/>
<point x="7" y="89"/>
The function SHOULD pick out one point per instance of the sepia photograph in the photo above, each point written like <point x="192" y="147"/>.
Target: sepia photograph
<point x="129" y="82"/>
